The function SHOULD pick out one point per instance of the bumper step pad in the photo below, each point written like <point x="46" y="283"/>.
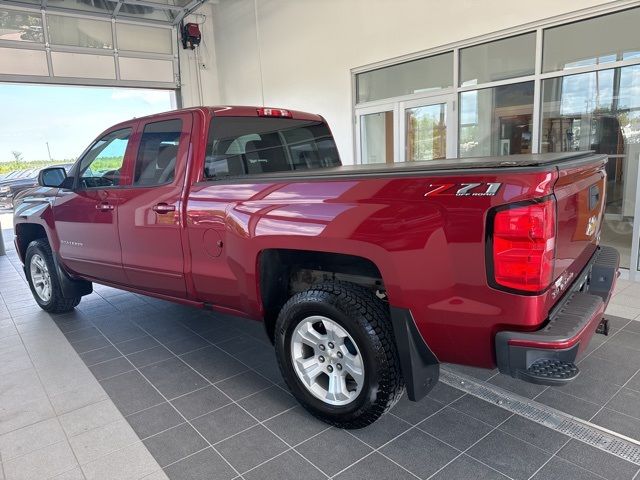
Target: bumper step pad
<point x="550" y="371"/>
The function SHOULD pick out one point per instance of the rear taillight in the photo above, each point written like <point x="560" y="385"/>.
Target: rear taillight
<point x="523" y="244"/>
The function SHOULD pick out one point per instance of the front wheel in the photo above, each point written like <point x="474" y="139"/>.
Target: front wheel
<point x="43" y="279"/>
<point x="336" y="351"/>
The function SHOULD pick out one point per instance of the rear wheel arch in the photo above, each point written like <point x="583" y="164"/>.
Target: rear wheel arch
<point x="284" y="272"/>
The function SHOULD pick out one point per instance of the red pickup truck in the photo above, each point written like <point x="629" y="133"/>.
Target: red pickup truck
<point x="366" y="277"/>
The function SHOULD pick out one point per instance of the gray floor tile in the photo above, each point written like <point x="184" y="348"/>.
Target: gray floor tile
<point x="220" y="333"/>
<point x="149" y="356"/>
<point x="204" y="465"/>
<point x="89" y="417"/>
<point x="173" y="378"/>
<point x="295" y="425"/>
<point x="592" y="389"/>
<point x="267" y="403"/>
<point x="619" y="422"/>
<point x="597" y="461"/>
<point x="465" y="467"/>
<point x="444" y="393"/>
<point x="111" y="368"/>
<point x="88" y="344"/>
<point x="514" y="385"/>
<point x="481" y="410"/>
<point x="82" y="334"/>
<point x="200" y="402"/>
<point x="154" y="420"/>
<point x="136" y="345"/>
<point x="130" y="463"/>
<point x="507" y="454"/>
<point x="213" y="363"/>
<point x="382" y="431"/>
<point x="188" y="344"/>
<point x="262" y="444"/>
<point x="100" y="355"/>
<point x="553" y="397"/>
<point x="288" y="466"/>
<point x="375" y="466"/>
<point x="409" y="451"/>
<point x="483" y="374"/>
<point x="44" y="463"/>
<point x="174" y="444"/>
<point x="600" y="368"/>
<point x="243" y="384"/>
<point x="131" y="392"/>
<point x="634" y="383"/>
<point x="415" y="412"/>
<point x="333" y="450"/>
<point x="30" y="438"/>
<point x="455" y="428"/>
<point x="534" y="433"/>
<point x="559" y="469"/>
<point x="627" y="339"/>
<point x="222" y="423"/>
<point x="627" y="401"/>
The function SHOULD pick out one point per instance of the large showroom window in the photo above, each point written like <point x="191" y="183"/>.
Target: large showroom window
<point x="600" y="111"/>
<point x="564" y="85"/>
<point x="496" y="121"/>
<point x="499" y="60"/>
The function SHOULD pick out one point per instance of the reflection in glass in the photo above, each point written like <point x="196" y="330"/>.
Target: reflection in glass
<point x="376" y="137"/>
<point x="419" y="76"/>
<point x="79" y="32"/>
<point x="20" y="27"/>
<point x="605" y="39"/>
<point x="426" y="129"/>
<point x="496" y="121"/>
<point x="600" y="111"/>
<point x="499" y="60"/>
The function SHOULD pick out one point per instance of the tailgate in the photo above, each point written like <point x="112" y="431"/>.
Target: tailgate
<point x="580" y="196"/>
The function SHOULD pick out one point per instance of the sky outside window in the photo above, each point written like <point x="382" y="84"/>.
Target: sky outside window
<point x="69" y="118"/>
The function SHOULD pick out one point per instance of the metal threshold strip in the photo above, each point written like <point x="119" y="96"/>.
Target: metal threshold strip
<point x="611" y="442"/>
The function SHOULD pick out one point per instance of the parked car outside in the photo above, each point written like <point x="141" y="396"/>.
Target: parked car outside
<point x="14" y="183"/>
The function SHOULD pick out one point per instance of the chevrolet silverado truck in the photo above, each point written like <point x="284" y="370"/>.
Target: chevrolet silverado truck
<point x="366" y="277"/>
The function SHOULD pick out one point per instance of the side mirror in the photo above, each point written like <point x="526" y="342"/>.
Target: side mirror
<point x="52" y="177"/>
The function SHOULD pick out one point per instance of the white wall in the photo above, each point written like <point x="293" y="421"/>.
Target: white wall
<point x="299" y="53"/>
<point x="206" y="67"/>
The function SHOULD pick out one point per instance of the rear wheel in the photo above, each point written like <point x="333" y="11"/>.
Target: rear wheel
<point x="43" y="279"/>
<point x="337" y="353"/>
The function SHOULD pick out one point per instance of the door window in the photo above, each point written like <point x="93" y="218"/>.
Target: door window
<point x="102" y="165"/>
<point x="158" y="153"/>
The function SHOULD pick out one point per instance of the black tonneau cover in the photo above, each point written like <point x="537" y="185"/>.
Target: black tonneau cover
<point x="453" y="165"/>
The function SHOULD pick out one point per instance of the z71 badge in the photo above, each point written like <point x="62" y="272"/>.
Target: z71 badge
<point x="464" y="189"/>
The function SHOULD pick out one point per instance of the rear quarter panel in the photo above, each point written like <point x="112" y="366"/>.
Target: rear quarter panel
<point x="430" y="250"/>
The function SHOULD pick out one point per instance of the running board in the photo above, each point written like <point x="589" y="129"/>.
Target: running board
<point x="586" y="432"/>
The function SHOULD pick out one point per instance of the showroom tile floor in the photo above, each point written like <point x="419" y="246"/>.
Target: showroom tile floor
<point x="132" y="387"/>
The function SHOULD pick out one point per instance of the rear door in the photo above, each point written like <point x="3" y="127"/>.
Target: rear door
<point x="150" y="218"/>
<point x="87" y="216"/>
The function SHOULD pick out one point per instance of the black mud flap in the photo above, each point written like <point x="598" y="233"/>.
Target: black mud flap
<point x="420" y="367"/>
<point x="71" y="287"/>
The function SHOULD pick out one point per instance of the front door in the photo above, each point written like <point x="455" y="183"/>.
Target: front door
<point x="423" y="124"/>
<point x="150" y="214"/>
<point x="87" y="216"/>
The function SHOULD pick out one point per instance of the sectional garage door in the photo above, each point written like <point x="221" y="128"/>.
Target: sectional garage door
<point x="126" y="43"/>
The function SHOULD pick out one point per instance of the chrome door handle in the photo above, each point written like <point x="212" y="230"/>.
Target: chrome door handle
<point x="164" y="208"/>
<point x="104" y="207"/>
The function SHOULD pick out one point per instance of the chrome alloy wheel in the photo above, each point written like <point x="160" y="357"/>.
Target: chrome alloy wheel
<point x="40" y="277"/>
<point x="327" y="360"/>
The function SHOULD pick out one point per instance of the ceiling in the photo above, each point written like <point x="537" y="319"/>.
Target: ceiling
<point x="149" y="11"/>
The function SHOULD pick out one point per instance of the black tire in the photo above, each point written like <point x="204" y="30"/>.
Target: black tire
<point x="366" y="318"/>
<point x="57" y="303"/>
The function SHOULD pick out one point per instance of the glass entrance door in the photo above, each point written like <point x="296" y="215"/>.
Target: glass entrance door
<point x="424" y="129"/>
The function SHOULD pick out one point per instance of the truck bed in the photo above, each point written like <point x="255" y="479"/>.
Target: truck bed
<point x="450" y="165"/>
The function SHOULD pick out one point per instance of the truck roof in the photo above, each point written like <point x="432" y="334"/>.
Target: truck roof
<point x="229" y="111"/>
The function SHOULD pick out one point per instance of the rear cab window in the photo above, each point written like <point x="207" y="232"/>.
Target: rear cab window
<point x="239" y="146"/>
